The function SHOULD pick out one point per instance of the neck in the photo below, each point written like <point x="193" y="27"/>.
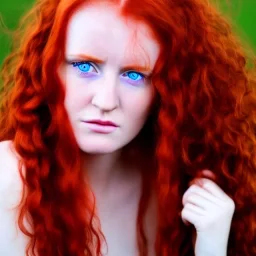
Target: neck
<point x="108" y="172"/>
<point x="102" y="170"/>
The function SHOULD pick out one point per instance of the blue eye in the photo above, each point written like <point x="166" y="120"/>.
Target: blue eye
<point x="84" y="67"/>
<point x="134" y="75"/>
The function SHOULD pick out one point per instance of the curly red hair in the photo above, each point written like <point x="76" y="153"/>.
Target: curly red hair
<point x="205" y="118"/>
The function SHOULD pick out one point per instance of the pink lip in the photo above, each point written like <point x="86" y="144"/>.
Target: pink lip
<point x="100" y="126"/>
<point x="101" y="122"/>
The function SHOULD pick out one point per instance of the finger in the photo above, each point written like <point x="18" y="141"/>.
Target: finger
<point x="186" y="222"/>
<point x="193" y="208"/>
<point x="199" y="191"/>
<point x="198" y="201"/>
<point x="203" y="174"/>
<point x="208" y="174"/>
<point x="213" y="188"/>
<point x="197" y="181"/>
<point x="190" y="216"/>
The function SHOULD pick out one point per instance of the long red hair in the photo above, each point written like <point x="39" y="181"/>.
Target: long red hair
<point x="205" y="118"/>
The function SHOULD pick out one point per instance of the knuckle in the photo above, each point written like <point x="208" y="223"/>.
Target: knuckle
<point x="232" y="205"/>
<point x="184" y="199"/>
<point x="182" y="213"/>
<point x="207" y="183"/>
<point x="229" y="205"/>
<point x="194" y="188"/>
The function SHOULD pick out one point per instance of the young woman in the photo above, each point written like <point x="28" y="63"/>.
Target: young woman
<point x="127" y="128"/>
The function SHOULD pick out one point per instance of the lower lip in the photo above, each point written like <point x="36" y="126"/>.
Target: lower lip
<point x="105" y="129"/>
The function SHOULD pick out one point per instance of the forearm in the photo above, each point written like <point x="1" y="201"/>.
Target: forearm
<point x="207" y="247"/>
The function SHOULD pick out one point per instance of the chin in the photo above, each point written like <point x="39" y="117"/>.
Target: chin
<point x="97" y="151"/>
<point x="101" y="148"/>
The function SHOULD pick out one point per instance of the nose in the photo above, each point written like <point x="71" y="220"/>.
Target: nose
<point x="106" y="96"/>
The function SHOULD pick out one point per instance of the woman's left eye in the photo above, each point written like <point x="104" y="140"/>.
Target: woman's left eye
<point x="134" y="76"/>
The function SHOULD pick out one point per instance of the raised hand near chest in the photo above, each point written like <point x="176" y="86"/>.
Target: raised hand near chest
<point x="210" y="210"/>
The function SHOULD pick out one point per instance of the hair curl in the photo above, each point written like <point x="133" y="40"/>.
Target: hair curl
<point x="205" y="119"/>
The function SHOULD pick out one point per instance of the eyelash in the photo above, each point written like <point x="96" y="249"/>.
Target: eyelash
<point x="87" y="73"/>
<point x="76" y="64"/>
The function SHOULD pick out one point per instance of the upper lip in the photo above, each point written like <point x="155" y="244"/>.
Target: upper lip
<point x="101" y="122"/>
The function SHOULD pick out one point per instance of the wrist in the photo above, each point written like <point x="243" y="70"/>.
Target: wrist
<point x="210" y="247"/>
<point x="211" y="253"/>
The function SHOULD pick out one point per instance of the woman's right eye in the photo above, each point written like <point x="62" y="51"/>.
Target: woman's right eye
<point x="85" y="67"/>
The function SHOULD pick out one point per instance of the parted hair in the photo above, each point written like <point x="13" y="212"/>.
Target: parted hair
<point x="204" y="118"/>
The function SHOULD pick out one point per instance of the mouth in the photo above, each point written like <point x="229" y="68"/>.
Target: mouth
<point x="101" y="122"/>
<point x="100" y="126"/>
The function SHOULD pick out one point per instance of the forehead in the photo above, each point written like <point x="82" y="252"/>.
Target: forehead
<point x="99" y="30"/>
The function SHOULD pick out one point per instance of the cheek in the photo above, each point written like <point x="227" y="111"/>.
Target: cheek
<point x="138" y="105"/>
<point x="76" y="96"/>
<point x="71" y="99"/>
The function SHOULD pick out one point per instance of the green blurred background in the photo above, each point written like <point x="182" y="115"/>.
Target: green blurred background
<point x="241" y="12"/>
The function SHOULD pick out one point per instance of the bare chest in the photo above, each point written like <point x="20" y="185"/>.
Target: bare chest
<point x="119" y="229"/>
<point x="119" y="226"/>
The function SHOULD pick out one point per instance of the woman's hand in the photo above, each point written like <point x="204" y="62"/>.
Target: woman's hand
<point x="210" y="210"/>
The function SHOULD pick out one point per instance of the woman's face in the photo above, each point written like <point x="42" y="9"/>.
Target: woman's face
<point x="108" y="60"/>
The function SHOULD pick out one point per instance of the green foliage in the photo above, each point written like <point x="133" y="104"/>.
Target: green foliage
<point x="241" y="12"/>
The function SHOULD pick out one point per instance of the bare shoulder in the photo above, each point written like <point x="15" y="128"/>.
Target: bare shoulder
<point x="9" y="175"/>
<point x="8" y="156"/>
<point x="12" y="242"/>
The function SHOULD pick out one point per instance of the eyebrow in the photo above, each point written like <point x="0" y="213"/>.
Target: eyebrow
<point x="85" y="57"/>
